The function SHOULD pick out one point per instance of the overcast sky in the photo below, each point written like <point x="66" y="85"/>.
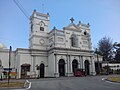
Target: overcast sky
<point x="103" y="16"/>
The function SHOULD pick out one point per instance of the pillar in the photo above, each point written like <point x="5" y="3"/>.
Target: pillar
<point x="33" y="66"/>
<point x="56" y="74"/>
<point x="79" y="63"/>
<point x="82" y="63"/>
<point x="92" y="66"/>
<point x="67" y="72"/>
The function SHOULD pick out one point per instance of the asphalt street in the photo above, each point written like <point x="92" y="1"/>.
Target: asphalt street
<point x="71" y="83"/>
<point x="74" y="83"/>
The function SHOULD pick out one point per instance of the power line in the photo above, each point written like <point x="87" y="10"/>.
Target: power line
<point x="21" y="8"/>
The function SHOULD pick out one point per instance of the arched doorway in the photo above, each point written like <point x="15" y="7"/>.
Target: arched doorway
<point x="42" y="70"/>
<point x="74" y="65"/>
<point x="86" y="63"/>
<point x="61" y="67"/>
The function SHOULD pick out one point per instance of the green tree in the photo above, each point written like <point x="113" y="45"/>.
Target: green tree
<point x="117" y="51"/>
<point x="105" y="48"/>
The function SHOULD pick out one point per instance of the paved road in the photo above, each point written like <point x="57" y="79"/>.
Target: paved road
<point x="73" y="83"/>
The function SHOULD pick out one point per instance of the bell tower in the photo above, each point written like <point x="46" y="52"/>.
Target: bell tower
<point x="39" y="29"/>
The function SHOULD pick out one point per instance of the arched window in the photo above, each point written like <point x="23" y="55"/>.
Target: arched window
<point x="73" y="40"/>
<point x="42" y="24"/>
<point x="41" y="28"/>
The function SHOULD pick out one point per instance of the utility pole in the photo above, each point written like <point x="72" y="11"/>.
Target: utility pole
<point x="9" y="64"/>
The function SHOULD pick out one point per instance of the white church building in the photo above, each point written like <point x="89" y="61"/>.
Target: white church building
<point x="52" y="53"/>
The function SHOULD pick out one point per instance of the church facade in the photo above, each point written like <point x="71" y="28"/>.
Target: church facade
<point x="52" y="53"/>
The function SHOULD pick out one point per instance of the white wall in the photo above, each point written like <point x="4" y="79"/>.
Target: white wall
<point x="4" y="57"/>
<point x="51" y="65"/>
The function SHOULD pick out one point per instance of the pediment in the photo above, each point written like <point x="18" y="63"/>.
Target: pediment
<point x="72" y="26"/>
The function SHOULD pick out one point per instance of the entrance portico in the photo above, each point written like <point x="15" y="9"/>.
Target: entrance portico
<point x="65" y="65"/>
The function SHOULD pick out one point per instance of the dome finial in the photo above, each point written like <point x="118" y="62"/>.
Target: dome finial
<point x="54" y="28"/>
<point x="34" y="10"/>
<point x="88" y="24"/>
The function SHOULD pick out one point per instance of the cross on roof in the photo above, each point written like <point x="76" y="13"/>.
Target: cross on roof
<point x="72" y="19"/>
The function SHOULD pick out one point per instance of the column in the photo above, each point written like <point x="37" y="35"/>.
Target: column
<point x="67" y="65"/>
<point x="82" y="63"/>
<point x="34" y="61"/>
<point x="56" y="67"/>
<point x="34" y="66"/>
<point x="70" y="66"/>
<point x="79" y="66"/>
<point x="92" y="67"/>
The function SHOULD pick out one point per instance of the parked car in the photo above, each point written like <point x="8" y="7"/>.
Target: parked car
<point x="79" y="73"/>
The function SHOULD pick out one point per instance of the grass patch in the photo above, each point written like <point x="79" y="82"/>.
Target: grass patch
<point x="114" y="79"/>
<point x="12" y="84"/>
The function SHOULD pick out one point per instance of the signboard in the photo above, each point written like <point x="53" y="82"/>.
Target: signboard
<point x="13" y="74"/>
<point x="7" y="69"/>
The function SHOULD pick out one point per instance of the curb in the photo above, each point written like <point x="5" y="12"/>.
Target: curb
<point x="104" y="79"/>
<point x="113" y="82"/>
<point x="27" y="85"/>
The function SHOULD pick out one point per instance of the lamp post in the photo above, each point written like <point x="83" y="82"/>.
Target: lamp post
<point x="9" y="64"/>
